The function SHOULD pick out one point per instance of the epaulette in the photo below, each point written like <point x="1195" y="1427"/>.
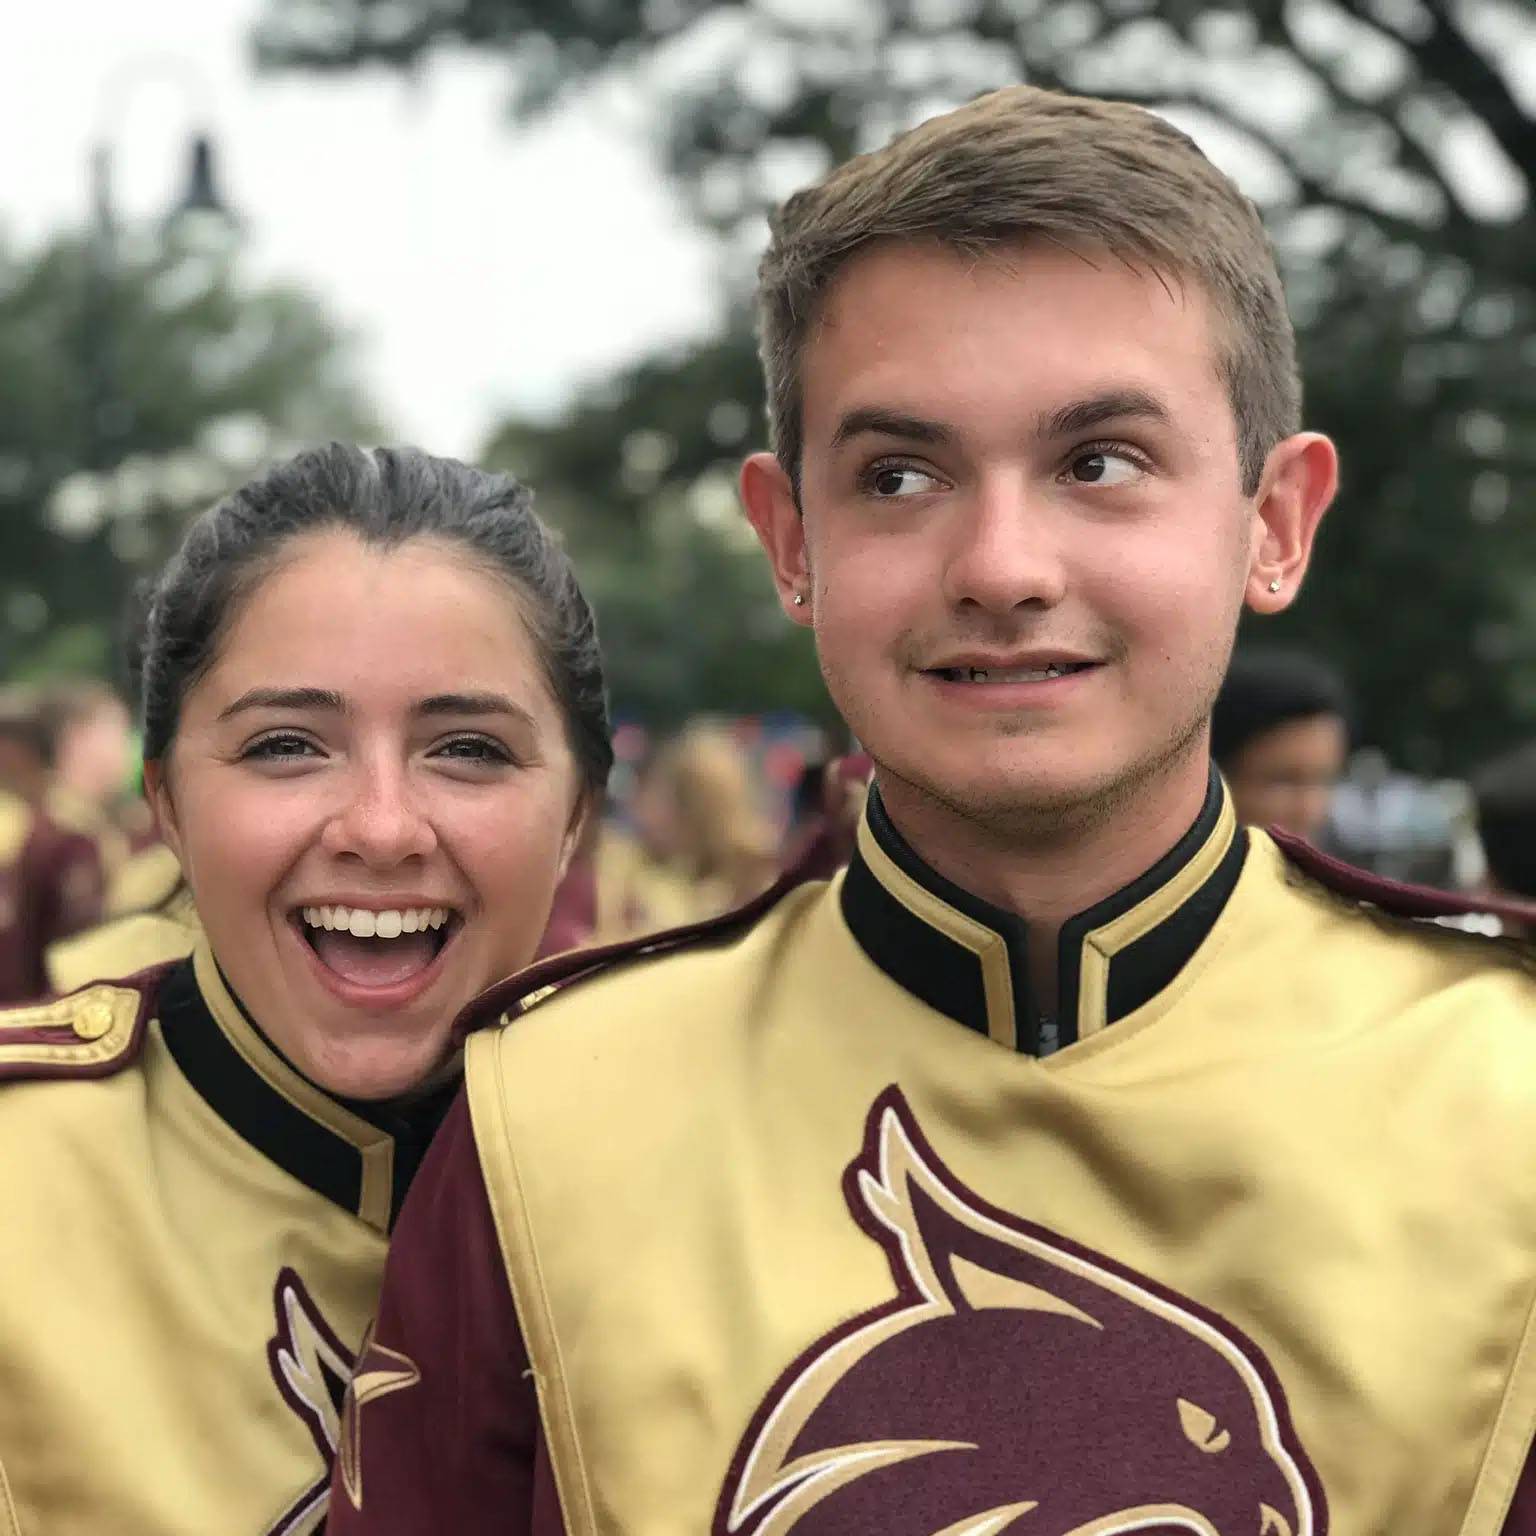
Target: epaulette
<point x="507" y="999"/>
<point x="91" y="1033"/>
<point x="1397" y="897"/>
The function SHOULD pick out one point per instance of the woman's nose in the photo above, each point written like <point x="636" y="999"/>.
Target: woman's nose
<point x="382" y="822"/>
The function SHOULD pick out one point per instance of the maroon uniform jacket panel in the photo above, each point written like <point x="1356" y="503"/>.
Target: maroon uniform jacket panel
<point x="1522" y="1513"/>
<point x="461" y="1449"/>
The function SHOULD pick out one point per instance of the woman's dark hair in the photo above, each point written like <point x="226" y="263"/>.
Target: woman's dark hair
<point x="1267" y="687"/>
<point x="385" y="497"/>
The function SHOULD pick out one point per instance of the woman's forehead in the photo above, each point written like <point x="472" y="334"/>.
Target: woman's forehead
<point x="390" y="619"/>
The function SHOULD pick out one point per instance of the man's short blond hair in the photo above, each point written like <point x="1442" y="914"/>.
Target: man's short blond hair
<point x="1021" y="164"/>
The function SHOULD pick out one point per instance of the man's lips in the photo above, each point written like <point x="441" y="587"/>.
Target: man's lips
<point x="1037" y="668"/>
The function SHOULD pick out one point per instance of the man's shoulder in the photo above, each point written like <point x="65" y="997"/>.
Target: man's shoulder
<point x="1394" y="933"/>
<point x="674" y="977"/>
<point x="94" y="1032"/>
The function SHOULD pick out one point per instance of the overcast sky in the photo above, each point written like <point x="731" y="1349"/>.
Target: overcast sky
<point x="483" y="266"/>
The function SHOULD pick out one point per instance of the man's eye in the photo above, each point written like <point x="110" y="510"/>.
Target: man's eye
<point x="892" y="481"/>
<point x="1105" y="466"/>
<point x="280" y="748"/>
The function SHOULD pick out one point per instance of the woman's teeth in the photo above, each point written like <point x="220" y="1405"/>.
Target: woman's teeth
<point x="362" y="923"/>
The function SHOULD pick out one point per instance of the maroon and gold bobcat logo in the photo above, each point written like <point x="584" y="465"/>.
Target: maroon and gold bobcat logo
<point x="1016" y="1383"/>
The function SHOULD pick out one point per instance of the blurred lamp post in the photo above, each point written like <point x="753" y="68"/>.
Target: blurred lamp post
<point x="108" y="416"/>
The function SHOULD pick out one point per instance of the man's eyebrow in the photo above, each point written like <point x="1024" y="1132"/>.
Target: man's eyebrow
<point x="284" y="698"/>
<point x="1095" y="410"/>
<point x="875" y="418"/>
<point x="472" y="704"/>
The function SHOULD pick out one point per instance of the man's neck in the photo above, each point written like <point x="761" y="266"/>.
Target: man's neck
<point x="1051" y="875"/>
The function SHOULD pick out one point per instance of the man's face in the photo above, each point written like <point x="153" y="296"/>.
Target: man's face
<point x="1026" y="541"/>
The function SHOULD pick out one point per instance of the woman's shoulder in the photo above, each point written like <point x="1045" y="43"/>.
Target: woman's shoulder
<point x="94" y="1032"/>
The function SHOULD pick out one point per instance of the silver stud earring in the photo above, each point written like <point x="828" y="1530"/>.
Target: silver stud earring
<point x="1274" y="586"/>
<point x="799" y="599"/>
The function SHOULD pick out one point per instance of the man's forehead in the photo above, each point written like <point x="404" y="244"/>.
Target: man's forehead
<point x="930" y="333"/>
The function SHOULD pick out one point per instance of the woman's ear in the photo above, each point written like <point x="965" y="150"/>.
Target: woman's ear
<point x="580" y="830"/>
<point x="157" y="791"/>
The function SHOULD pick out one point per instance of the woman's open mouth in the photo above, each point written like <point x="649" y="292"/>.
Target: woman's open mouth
<point x="377" y="947"/>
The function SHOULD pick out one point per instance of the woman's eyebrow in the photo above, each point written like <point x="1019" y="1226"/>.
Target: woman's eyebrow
<point x="471" y="704"/>
<point x="284" y="698"/>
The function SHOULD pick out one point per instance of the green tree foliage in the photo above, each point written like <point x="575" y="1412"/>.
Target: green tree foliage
<point x="1392" y="146"/>
<point x="137" y="383"/>
<point x="640" y="478"/>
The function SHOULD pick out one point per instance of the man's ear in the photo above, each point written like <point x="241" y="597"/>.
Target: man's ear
<point x="1299" y="481"/>
<point x="774" y="512"/>
<point x="157" y="791"/>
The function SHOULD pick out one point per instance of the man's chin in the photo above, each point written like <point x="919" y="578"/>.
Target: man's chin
<point x="1012" y="801"/>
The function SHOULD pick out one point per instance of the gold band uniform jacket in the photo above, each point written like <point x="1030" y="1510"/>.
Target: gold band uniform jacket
<point x="819" y="1228"/>
<point x="192" y="1238"/>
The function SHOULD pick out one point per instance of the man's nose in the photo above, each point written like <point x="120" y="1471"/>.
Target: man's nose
<point x="381" y="821"/>
<point x="1005" y="551"/>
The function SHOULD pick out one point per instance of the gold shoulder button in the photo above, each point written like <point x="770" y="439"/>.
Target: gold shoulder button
<point x="93" y="1021"/>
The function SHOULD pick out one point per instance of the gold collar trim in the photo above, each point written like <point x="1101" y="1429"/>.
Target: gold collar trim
<point x="968" y="958"/>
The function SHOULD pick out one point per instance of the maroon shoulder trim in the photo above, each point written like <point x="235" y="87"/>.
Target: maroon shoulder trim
<point x="78" y="1035"/>
<point x="1397" y="896"/>
<point x="561" y="971"/>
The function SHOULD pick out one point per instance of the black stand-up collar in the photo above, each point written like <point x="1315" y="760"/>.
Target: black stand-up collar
<point x="968" y="959"/>
<point x="361" y="1156"/>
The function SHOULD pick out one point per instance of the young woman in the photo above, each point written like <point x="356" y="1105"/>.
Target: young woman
<point x="374" y="722"/>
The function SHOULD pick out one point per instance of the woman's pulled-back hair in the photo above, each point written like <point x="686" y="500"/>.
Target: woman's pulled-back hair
<point x="385" y="497"/>
<point x="1025" y="163"/>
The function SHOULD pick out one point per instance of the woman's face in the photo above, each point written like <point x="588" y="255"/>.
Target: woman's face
<point x="372" y="794"/>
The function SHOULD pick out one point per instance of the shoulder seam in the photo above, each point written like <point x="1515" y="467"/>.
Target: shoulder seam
<point x="530" y="987"/>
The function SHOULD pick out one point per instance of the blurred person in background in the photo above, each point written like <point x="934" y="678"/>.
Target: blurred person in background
<point x="1504" y="791"/>
<point x="51" y="876"/>
<point x="150" y="916"/>
<point x="91" y="734"/>
<point x="700" y="842"/>
<point x="824" y="815"/>
<point x="1280" y="735"/>
<point x="374" y="722"/>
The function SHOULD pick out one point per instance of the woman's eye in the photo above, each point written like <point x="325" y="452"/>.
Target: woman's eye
<point x="1106" y="467"/>
<point x="893" y="481"/>
<point x="474" y="749"/>
<point x="280" y="748"/>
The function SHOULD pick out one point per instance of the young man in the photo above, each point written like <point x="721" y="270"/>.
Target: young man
<point x="1280" y="735"/>
<point x="1074" y="1163"/>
